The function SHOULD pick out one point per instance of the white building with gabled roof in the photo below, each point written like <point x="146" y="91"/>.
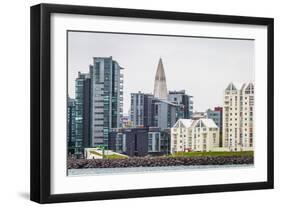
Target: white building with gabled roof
<point x="194" y="135"/>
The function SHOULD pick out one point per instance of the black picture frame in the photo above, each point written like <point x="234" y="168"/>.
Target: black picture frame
<point x="41" y="98"/>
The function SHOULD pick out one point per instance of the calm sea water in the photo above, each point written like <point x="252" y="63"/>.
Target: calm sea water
<point x="129" y="170"/>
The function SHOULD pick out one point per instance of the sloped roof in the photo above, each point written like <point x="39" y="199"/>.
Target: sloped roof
<point x="186" y="122"/>
<point x="235" y="85"/>
<point x="247" y="85"/>
<point x="209" y="123"/>
<point x="191" y="123"/>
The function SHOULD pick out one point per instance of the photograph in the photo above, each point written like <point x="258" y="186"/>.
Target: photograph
<point x="144" y="103"/>
<point x="133" y="103"/>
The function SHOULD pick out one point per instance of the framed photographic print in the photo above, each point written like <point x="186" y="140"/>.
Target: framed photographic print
<point x="132" y="103"/>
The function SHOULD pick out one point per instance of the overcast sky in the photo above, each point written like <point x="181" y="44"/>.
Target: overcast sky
<point x="201" y="66"/>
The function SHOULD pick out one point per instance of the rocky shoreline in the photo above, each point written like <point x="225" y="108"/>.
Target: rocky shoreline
<point x="158" y="161"/>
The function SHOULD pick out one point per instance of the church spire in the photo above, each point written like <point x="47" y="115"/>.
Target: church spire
<point x="160" y="86"/>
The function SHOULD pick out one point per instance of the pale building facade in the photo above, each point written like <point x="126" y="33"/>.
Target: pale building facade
<point x="194" y="135"/>
<point x="238" y="112"/>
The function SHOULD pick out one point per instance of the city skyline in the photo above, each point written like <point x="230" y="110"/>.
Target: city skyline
<point x="236" y="63"/>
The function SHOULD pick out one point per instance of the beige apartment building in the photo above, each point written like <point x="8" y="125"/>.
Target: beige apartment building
<point x="238" y="115"/>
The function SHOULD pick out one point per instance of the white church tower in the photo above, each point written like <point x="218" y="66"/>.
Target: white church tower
<point x="160" y="86"/>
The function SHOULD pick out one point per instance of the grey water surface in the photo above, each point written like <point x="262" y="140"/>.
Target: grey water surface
<point x="129" y="170"/>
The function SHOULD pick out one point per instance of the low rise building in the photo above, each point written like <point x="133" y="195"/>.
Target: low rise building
<point x="194" y="135"/>
<point x="139" y="141"/>
<point x="165" y="141"/>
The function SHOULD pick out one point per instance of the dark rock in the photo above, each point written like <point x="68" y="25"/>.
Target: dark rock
<point x="158" y="161"/>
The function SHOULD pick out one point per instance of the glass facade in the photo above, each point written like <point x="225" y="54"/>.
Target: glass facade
<point x="82" y="120"/>
<point x="141" y="109"/>
<point x="154" y="141"/>
<point x="185" y="101"/>
<point x="107" y="99"/>
<point x="71" y="124"/>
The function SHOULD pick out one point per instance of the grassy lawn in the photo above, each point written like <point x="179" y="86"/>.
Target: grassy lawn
<point x="196" y="154"/>
<point x="114" y="156"/>
<point x="186" y="154"/>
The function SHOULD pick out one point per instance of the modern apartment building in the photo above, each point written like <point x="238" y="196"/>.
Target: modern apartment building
<point x="216" y="115"/>
<point x="165" y="114"/>
<point x="71" y="129"/>
<point x="141" y="109"/>
<point x="238" y="116"/>
<point x="219" y="109"/>
<point x="98" y="105"/>
<point x="148" y="111"/>
<point x="106" y="99"/>
<point x="194" y="135"/>
<point x="82" y="112"/>
<point x="185" y="101"/>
